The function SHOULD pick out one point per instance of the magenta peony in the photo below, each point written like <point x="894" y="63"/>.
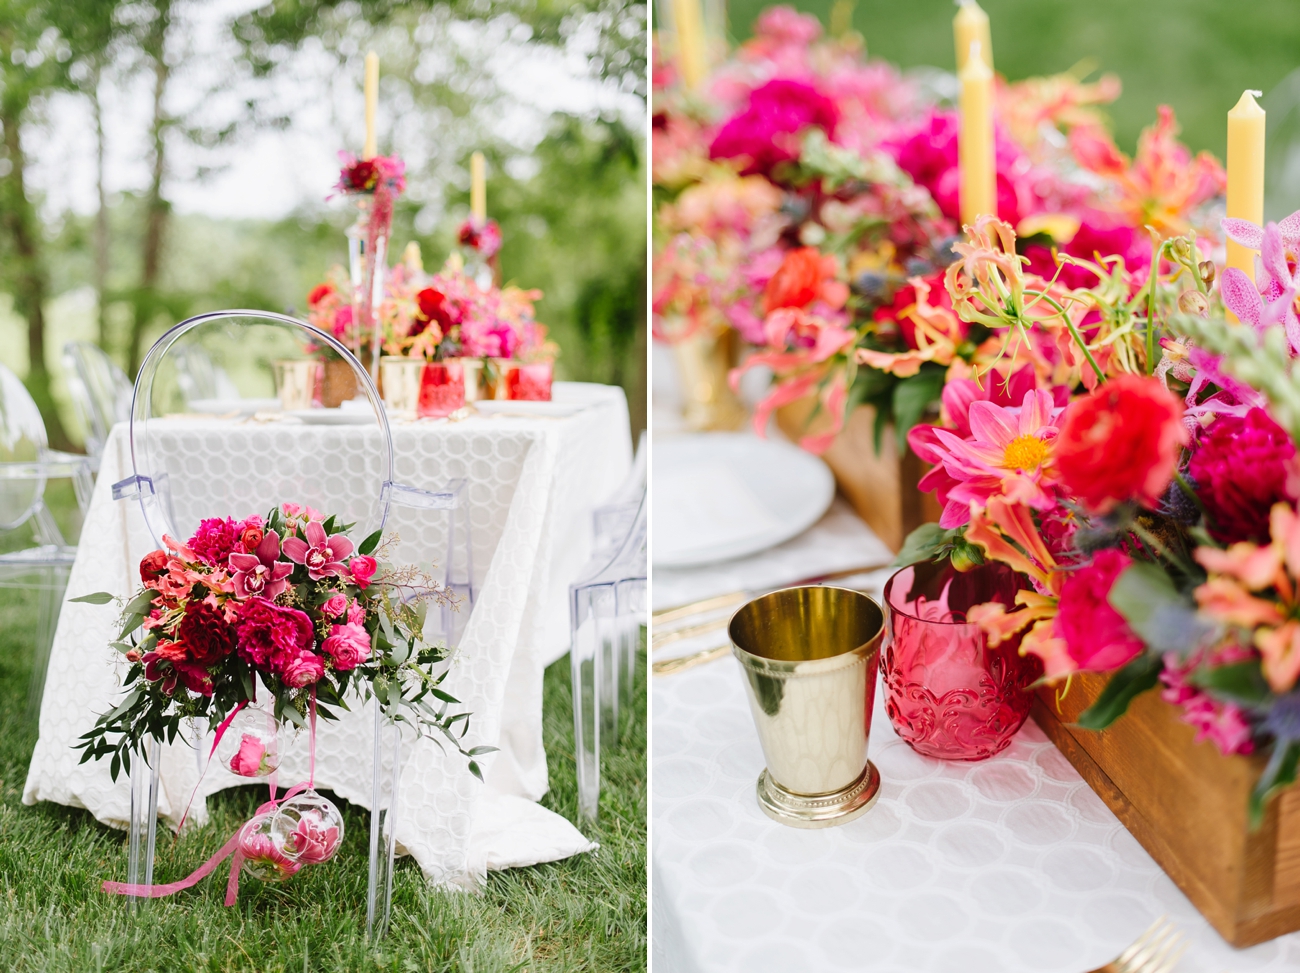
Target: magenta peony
<point x="766" y="132"/>
<point x="270" y="636"/>
<point x="1096" y="636"/>
<point x="348" y="645"/>
<point x="1240" y="471"/>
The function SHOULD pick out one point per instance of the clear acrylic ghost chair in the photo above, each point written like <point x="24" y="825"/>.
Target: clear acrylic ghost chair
<point x="607" y="610"/>
<point x="100" y="391"/>
<point x="26" y="463"/>
<point x="200" y="379"/>
<point x="187" y="468"/>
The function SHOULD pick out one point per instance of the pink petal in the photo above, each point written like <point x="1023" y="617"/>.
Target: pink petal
<point x="269" y="549"/>
<point x="244" y="562"/>
<point x="339" y="546"/>
<point x="279" y="571"/>
<point x="295" y="548"/>
<point x="1273" y="254"/>
<point x="1293" y="329"/>
<point x="991" y="423"/>
<point x="957" y="398"/>
<point x="1240" y="296"/>
<point x="1035" y="411"/>
<point x="1290" y="229"/>
<point x="1244" y="232"/>
<point x="315" y="534"/>
<point x="1277" y="309"/>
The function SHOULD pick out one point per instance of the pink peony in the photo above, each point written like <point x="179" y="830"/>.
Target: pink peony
<point x="260" y="573"/>
<point x="215" y="539"/>
<point x="270" y="637"/>
<point x="303" y="670"/>
<point x="348" y="645"/>
<point x="248" y="761"/>
<point x="1240" y="471"/>
<point x="363" y="568"/>
<point x="323" y="556"/>
<point x="1096" y="636"/>
<point x="336" y="604"/>
<point x="766" y="132"/>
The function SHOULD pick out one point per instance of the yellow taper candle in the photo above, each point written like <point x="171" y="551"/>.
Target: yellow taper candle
<point x="692" y="56"/>
<point x="975" y="142"/>
<point x="1245" y="173"/>
<point x="478" y="186"/>
<point x="970" y="25"/>
<point x="372" y="104"/>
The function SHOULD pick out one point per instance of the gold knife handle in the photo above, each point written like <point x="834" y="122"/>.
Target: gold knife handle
<point x="668" y="666"/>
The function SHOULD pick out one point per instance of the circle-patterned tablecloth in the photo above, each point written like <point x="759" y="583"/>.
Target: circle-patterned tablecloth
<point x="532" y="484"/>
<point x="1010" y="865"/>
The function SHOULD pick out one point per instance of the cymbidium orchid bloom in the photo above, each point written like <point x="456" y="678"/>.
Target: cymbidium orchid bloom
<point x="1254" y="587"/>
<point x="322" y="555"/>
<point x="262" y="572"/>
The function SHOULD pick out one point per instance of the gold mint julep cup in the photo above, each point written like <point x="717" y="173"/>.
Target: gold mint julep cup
<point x="810" y="657"/>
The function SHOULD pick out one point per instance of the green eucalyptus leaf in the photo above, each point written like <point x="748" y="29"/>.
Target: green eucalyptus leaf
<point x="1241" y="682"/>
<point x="1124" y="686"/>
<point x="370" y="543"/>
<point x="95" y="598"/>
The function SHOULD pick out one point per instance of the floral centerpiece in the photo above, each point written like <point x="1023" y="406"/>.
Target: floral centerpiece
<point x="807" y="200"/>
<point x="1131" y="452"/>
<point x="288" y="606"/>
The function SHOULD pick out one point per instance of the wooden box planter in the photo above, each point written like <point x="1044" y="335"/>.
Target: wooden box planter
<point x="1186" y="804"/>
<point x="881" y="488"/>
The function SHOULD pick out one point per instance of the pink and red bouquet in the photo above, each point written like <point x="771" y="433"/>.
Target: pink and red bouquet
<point x="1131" y="453"/>
<point x="288" y="603"/>
<point x="807" y="199"/>
<point x="367" y="175"/>
<point x="483" y="237"/>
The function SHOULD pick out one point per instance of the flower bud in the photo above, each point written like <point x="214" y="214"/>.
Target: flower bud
<point x="1193" y="302"/>
<point x="1182" y="248"/>
<point x="1206" y="267"/>
<point x="966" y="556"/>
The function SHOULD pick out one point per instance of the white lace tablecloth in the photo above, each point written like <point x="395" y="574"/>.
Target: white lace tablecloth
<point x="532" y="484"/>
<point x="1011" y="865"/>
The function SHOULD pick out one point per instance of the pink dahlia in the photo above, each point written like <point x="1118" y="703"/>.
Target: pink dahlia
<point x="767" y="131"/>
<point x="1007" y="454"/>
<point x="261" y="573"/>
<point x="1096" y="636"/>
<point x="322" y="555"/>
<point x="1240" y="471"/>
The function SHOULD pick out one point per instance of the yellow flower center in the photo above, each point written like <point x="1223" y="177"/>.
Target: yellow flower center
<point x="1024" y="453"/>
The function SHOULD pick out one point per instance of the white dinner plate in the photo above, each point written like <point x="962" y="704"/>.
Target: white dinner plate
<point x="724" y="495"/>
<point x="491" y="407"/>
<point x="225" y="407"/>
<point x="334" y="417"/>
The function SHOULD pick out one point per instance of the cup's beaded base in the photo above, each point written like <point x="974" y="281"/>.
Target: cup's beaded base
<point x="824" y="810"/>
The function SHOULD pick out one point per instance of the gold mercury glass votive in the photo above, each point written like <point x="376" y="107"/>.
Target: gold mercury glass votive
<point x="810" y="657"/>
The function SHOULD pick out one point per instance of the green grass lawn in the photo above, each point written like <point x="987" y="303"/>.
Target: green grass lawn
<point x="584" y="914"/>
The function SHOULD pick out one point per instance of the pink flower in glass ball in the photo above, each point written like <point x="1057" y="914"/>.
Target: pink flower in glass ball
<point x="248" y="761"/>
<point x="261" y="849"/>
<point x="312" y="842"/>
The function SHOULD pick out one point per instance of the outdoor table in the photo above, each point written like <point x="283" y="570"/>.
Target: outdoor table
<point x="532" y="483"/>
<point x="1008" y="865"/>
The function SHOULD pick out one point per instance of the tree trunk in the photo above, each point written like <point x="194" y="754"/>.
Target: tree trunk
<point x="101" y="215"/>
<point x="157" y="209"/>
<point x="30" y="276"/>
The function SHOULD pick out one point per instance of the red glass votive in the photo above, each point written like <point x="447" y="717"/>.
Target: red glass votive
<point x="442" y="389"/>
<point x="529" y="383"/>
<point x="947" y="693"/>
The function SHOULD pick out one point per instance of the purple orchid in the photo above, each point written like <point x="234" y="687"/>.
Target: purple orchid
<point x="1270" y="298"/>
<point x="323" y="556"/>
<point x="261" y="573"/>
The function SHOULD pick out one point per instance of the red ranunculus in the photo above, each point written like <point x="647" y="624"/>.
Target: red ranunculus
<point x="319" y="293"/>
<point x="153" y="565"/>
<point x="1096" y="636"/>
<point x="1240" y="471"/>
<point x="204" y="633"/>
<point x="1120" y="443"/>
<point x="250" y="537"/>
<point x="797" y="281"/>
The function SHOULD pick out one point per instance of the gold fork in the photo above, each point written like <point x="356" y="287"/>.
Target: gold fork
<point x="1156" y="951"/>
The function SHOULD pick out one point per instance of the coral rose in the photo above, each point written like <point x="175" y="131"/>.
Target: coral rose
<point x="803" y="277"/>
<point x="1240" y="471"/>
<point x="1096" y="636"/>
<point x="1120" y="443"/>
<point x="153" y="565"/>
<point x="251" y="536"/>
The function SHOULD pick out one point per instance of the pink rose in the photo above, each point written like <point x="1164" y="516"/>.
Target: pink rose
<point x="1097" y="637"/>
<point x="363" y="568"/>
<point x="356" y="614"/>
<point x="305" y="670"/>
<point x="248" y="761"/>
<point x="348" y="645"/>
<point x="335" y="605"/>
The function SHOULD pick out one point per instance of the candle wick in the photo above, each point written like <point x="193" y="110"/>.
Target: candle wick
<point x="1252" y="91"/>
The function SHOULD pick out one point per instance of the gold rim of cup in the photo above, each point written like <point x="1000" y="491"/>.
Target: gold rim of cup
<point x="810" y="656"/>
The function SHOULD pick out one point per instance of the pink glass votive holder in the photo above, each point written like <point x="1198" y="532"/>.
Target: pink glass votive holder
<point x="530" y="383"/>
<point x="947" y="693"/>
<point x="442" y="389"/>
